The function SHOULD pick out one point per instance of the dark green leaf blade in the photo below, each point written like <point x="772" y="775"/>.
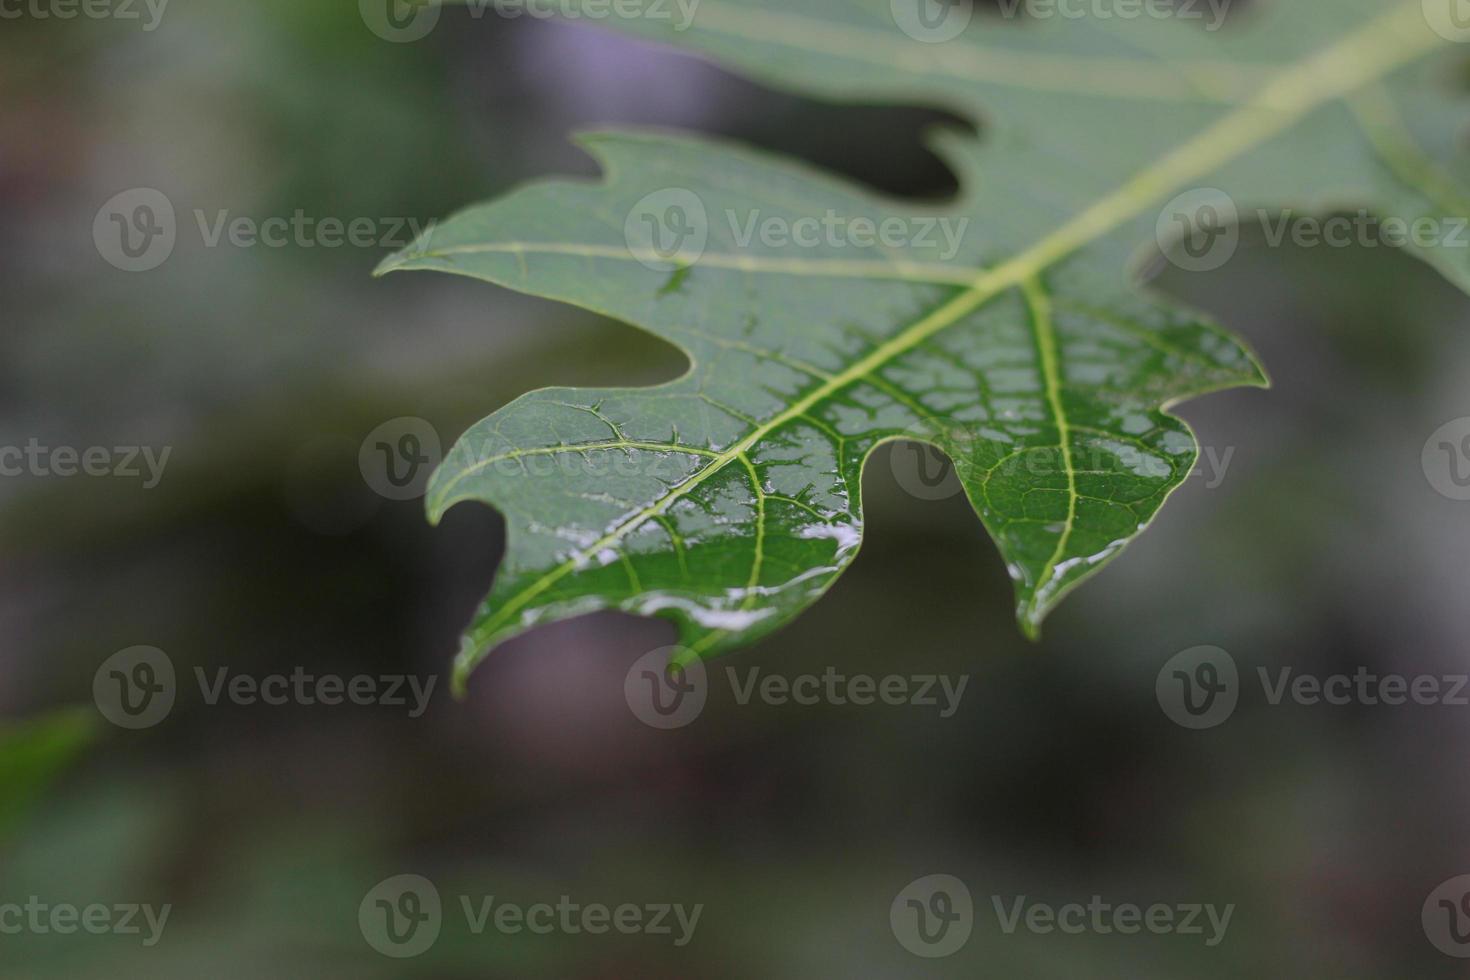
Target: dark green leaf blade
<point x="730" y="499"/>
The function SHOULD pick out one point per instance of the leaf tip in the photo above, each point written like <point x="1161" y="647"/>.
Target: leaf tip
<point x="469" y="656"/>
<point x="391" y="263"/>
<point x="1260" y="378"/>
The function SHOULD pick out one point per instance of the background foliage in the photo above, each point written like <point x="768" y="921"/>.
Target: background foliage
<point x="263" y="550"/>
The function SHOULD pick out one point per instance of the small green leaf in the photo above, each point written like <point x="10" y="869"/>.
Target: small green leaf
<point x="32" y="754"/>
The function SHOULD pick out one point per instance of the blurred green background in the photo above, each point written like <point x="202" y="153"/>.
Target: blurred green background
<point x="264" y="550"/>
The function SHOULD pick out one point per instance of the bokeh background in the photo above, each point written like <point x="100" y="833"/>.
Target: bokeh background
<point x="263" y="549"/>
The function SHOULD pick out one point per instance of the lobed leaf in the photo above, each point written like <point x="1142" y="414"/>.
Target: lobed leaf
<point x="1014" y="338"/>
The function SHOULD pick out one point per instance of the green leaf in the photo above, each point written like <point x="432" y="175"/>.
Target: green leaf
<point x="32" y="754"/>
<point x="730" y="499"/>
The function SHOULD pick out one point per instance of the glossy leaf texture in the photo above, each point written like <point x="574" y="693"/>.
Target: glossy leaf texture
<point x="1008" y="329"/>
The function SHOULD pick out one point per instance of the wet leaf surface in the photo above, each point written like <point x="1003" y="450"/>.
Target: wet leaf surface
<point x="1007" y="329"/>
